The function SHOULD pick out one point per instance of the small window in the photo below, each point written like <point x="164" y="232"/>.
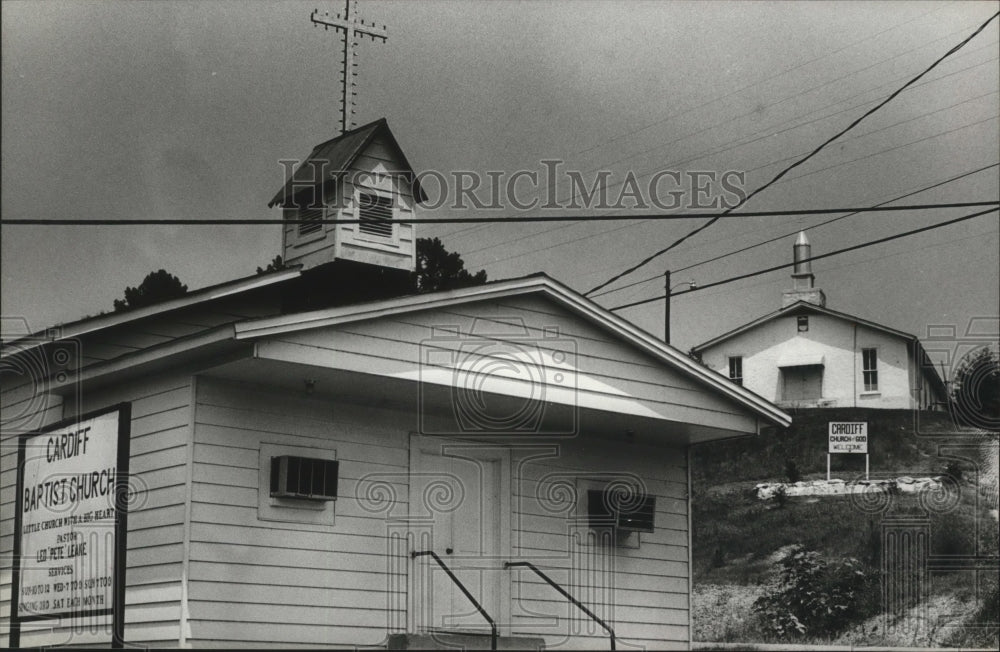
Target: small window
<point x="803" y="323"/>
<point x="736" y="369"/>
<point x="304" y="477"/>
<point x="375" y="213"/>
<point x="869" y="366"/>
<point x="627" y="510"/>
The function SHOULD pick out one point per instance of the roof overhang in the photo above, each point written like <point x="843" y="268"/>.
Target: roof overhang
<point x="90" y="325"/>
<point x="801" y="360"/>
<point x="537" y="284"/>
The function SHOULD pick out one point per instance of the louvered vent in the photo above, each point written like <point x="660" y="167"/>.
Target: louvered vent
<point x="304" y="477"/>
<point x="314" y="223"/>
<point x="375" y="213"/>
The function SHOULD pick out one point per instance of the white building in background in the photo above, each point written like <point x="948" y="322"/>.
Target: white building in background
<point x="806" y="355"/>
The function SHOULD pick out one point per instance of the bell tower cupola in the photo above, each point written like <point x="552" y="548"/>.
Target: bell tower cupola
<point x="363" y="178"/>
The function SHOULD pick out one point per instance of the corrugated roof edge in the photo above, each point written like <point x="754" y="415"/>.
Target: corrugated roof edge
<point x="91" y="324"/>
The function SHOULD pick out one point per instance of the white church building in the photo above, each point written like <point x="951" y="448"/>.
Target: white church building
<point x="319" y="457"/>
<point x="807" y="355"/>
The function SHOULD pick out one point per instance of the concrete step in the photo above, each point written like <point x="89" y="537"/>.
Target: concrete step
<point x="461" y="641"/>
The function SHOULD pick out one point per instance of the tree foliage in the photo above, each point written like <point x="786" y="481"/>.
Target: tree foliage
<point x="156" y="287"/>
<point x="440" y="269"/>
<point x="276" y="264"/>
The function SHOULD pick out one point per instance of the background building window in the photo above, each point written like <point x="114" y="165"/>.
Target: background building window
<point x="736" y="369"/>
<point x="869" y="365"/>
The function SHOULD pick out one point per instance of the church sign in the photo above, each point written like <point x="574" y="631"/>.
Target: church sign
<point x="849" y="437"/>
<point x="69" y="544"/>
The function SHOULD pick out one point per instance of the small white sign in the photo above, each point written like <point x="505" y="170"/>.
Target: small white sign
<point x="849" y="437"/>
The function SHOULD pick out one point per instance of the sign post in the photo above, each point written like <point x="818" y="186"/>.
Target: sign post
<point x="847" y="437"/>
<point x="70" y="525"/>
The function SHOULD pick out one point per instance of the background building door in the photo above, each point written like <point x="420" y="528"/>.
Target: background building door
<point x="802" y="383"/>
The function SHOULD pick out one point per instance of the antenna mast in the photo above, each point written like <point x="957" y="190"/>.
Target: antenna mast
<point x="351" y="27"/>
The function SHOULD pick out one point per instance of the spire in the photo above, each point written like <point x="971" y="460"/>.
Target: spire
<point x="803" y="280"/>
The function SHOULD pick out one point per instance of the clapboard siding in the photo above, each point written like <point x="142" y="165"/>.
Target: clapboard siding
<point x="645" y="596"/>
<point x="256" y="582"/>
<point x="604" y="372"/>
<point x="160" y="431"/>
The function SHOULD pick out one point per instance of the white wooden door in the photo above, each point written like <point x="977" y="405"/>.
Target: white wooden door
<point x="457" y="507"/>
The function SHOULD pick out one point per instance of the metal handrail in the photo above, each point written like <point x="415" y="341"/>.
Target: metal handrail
<point x="458" y="583"/>
<point x="525" y="564"/>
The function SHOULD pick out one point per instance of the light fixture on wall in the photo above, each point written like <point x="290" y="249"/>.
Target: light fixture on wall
<point x="310" y="385"/>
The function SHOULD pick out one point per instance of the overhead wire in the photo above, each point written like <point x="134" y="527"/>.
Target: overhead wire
<point x="797" y="163"/>
<point x="837" y="252"/>
<point x="792" y="233"/>
<point x="768" y="133"/>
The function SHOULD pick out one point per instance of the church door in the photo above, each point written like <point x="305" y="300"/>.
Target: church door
<point x="459" y="501"/>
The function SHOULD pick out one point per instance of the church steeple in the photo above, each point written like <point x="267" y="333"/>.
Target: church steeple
<point x="803" y="281"/>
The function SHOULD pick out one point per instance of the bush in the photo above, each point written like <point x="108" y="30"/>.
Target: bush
<point x="817" y="598"/>
<point x="792" y="473"/>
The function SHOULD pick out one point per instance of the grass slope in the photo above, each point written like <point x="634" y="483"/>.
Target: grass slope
<point x="738" y="539"/>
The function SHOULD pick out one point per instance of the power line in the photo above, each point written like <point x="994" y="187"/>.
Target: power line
<point x="857" y="264"/>
<point x="791" y="233"/>
<point x="819" y="257"/>
<point x="757" y="83"/>
<point x="768" y="106"/>
<point x="469" y="252"/>
<point x="761" y="134"/>
<point x="765" y="165"/>
<point x="799" y="162"/>
<point x="472" y="220"/>
<point x="765" y="131"/>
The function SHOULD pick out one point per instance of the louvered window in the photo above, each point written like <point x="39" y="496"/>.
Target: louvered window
<point x="375" y="213"/>
<point x="307" y="207"/>
<point x="314" y="217"/>
<point x="304" y="477"/>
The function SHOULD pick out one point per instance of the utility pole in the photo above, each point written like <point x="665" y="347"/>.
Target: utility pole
<point x="351" y="27"/>
<point x="666" y="307"/>
<point x="666" y="304"/>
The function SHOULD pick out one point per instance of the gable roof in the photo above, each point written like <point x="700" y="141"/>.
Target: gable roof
<point x="805" y="306"/>
<point x="534" y="284"/>
<point x="241" y="332"/>
<point x="336" y="155"/>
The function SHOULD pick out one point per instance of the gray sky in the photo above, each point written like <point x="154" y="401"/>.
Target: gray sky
<point x="182" y="110"/>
